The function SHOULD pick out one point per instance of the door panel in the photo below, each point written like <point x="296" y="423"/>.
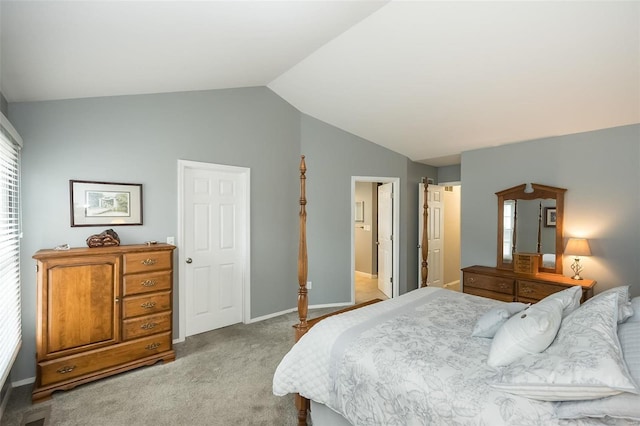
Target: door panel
<point x="214" y="212"/>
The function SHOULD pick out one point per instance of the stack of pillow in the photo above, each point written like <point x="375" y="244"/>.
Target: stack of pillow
<point x="585" y="357"/>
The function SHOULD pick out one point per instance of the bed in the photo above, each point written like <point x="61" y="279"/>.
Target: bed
<point x="422" y="359"/>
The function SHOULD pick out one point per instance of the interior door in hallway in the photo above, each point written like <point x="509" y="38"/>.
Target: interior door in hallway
<point x="215" y="247"/>
<point x="435" y="254"/>
<point x="385" y="239"/>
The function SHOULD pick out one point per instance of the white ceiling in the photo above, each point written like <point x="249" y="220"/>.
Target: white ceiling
<point x="425" y="79"/>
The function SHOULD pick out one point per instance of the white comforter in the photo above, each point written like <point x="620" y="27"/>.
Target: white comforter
<point x="407" y="361"/>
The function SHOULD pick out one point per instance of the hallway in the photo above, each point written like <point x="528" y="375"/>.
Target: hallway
<point x="367" y="288"/>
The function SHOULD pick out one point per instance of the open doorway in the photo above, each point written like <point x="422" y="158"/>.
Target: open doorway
<point x="444" y="234"/>
<point x="374" y="238"/>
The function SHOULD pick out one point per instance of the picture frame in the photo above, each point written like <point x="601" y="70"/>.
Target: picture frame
<point x="550" y="217"/>
<point x="105" y="203"/>
<point x="359" y="213"/>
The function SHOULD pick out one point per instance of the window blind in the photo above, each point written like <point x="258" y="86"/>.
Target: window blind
<point x="10" y="322"/>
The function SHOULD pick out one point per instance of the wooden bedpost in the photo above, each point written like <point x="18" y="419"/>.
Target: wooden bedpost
<point x="302" y="404"/>
<point x="514" y="234"/>
<point x="425" y="240"/>
<point x="303" y="302"/>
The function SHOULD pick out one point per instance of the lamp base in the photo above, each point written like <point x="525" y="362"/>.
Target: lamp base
<point x="576" y="277"/>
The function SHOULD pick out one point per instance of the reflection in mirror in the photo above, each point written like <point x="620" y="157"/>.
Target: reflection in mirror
<point x="523" y="226"/>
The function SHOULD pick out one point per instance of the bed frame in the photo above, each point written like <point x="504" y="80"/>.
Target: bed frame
<point x="303" y="405"/>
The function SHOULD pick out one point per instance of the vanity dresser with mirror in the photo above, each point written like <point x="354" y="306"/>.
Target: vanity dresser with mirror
<point x="530" y="247"/>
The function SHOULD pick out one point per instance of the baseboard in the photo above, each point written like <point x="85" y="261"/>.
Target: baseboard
<point x="273" y="315"/>
<point x="288" y="311"/>
<point x="452" y="284"/>
<point x="330" y="305"/>
<point x="366" y="274"/>
<point x="23" y="382"/>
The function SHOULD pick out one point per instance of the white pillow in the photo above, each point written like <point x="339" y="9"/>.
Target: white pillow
<point x="625" y="310"/>
<point x="570" y="299"/>
<point x="493" y="319"/>
<point x="635" y="307"/>
<point x="530" y="331"/>
<point x="625" y="405"/>
<point x="584" y="362"/>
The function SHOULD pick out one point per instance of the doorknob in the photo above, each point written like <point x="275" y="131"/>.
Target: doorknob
<point x="189" y="260"/>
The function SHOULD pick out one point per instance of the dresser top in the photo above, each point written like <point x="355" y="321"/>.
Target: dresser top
<point x="76" y="251"/>
<point x="540" y="276"/>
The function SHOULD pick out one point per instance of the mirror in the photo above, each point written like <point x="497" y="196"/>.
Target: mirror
<point x="530" y="220"/>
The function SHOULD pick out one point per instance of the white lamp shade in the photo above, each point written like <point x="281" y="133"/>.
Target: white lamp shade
<point x="577" y="247"/>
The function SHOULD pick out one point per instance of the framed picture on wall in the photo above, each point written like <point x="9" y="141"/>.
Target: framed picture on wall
<point x="549" y="216"/>
<point x="105" y="203"/>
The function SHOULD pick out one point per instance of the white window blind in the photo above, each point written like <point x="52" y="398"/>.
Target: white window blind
<point x="10" y="322"/>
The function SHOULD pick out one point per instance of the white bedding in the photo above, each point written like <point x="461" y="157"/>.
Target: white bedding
<point x="408" y="361"/>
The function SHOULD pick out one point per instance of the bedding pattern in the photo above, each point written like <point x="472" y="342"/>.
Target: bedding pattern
<point x="409" y="361"/>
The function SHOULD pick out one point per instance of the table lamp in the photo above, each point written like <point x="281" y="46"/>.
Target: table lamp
<point x="577" y="247"/>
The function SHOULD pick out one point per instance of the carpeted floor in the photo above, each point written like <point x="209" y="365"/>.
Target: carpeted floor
<point x="223" y="377"/>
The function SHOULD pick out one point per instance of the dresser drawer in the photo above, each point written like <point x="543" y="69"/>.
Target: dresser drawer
<point x="91" y="363"/>
<point x="485" y="282"/>
<point x="490" y="294"/>
<point x="146" y="325"/>
<point x="146" y="282"/>
<point x="146" y="304"/>
<point x="147" y="261"/>
<point x="533" y="290"/>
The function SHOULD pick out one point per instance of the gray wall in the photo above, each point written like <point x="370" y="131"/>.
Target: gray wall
<point x="448" y="174"/>
<point x="601" y="172"/>
<point x="139" y="139"/>
<point x="333" y="157"/>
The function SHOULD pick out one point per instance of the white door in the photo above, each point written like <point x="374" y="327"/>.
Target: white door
<point x="215" y="246"/>
<point x="435" y="254"/>
<point x="385" y="239"/>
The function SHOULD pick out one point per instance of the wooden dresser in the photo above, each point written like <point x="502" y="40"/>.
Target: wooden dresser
<point x="509" y="286"/>
<point x="101" y="311"/>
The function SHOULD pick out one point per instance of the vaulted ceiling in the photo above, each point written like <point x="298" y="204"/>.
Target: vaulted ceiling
<point x="426" y="79"/>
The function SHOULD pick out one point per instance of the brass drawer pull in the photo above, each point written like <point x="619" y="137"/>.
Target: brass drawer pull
<point x="149" y="262"/>
<point x="504" y="286"/>
<point x="148" y="283"/>
<point x="148" y="326"/>
<point x="472" y="280"/>
<point x="526" y="290"/>
<point x="152" y="346"/>
<point x="148" y="305"/>
<point x="66" y="369"/>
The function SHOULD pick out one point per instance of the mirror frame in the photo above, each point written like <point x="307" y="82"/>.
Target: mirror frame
<point x="539" y="191"/>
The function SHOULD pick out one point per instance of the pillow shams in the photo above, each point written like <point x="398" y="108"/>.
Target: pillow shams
<point x="625" y="405"/>
<point x="493" y="319"/>
<point x="535" y="331"/>
<point x="530" y="331"/>
<point x="584" y="362"/>
<point x="635" y="307"/>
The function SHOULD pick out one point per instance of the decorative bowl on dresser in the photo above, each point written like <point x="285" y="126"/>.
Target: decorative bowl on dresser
<point x="101" y="311"/>
<point x="510" y="286"/>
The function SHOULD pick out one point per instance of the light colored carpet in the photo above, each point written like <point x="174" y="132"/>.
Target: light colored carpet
<point x="223" y="377"/>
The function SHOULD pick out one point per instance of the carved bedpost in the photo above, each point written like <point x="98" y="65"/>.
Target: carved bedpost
<point x="302" y="404"/>
<point x="303" y="303"/>
<point x="425" y="240"/>
<point x="514" y="232"/>
<point x="538" y="247"/>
